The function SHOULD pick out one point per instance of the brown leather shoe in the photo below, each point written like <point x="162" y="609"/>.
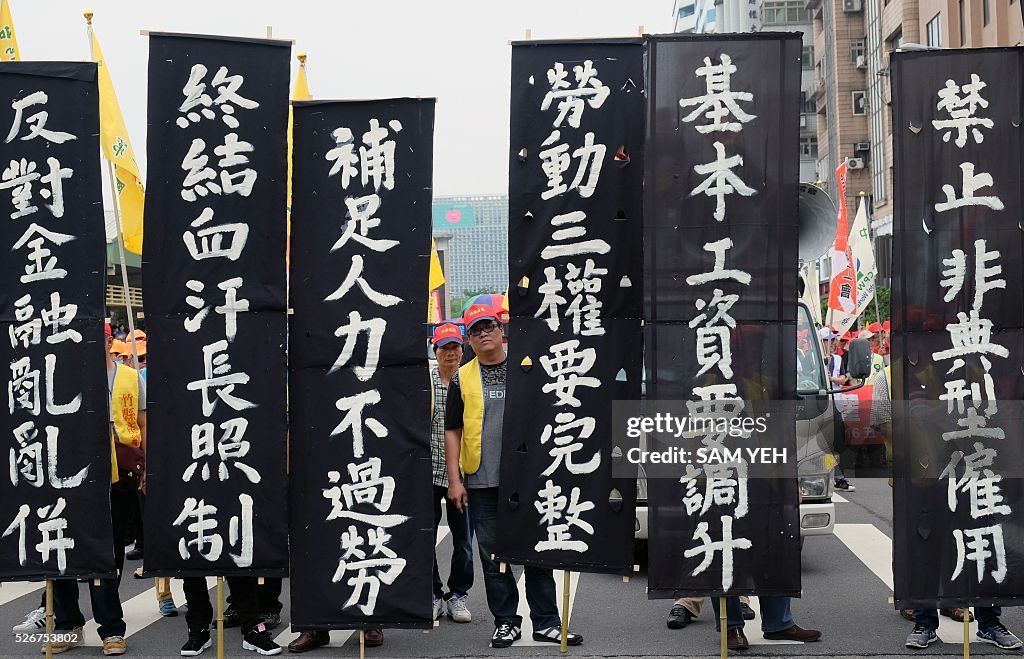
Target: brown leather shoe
<point x="374" y="638"/>
<point x="908" y="614"/>
<point x="956" y="614"/>
<point x="794" y="633"/>
<point x="309" y="641"/>
<point x="736" y="640"/>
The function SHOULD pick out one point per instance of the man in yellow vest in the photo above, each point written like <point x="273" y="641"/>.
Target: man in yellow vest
<point x="473" y="431"/>
<point x="127" y="429"/>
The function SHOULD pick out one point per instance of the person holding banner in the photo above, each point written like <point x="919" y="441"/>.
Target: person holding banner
<point x="473" y="438"/>
<point x="128" y="457"/>
<point x="447" y="343"/>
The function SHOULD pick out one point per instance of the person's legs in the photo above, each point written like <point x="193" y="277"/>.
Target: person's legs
<point x="268" y="596"/>
<point x="928" y="618"/>
<point x="987" y="616"/>
<point x="540" y="594"/>
<point x="692" y="604"/>
<point x="775" y="614"/>
<point x="67" y="613"/>
<point x="460" y="578"/>
<point x="199" y="614"/>
<point x="245" y="601"/>
<point x="734" y="616"/>
<point x="106" y="601"/>
<point x="502" y="593"/>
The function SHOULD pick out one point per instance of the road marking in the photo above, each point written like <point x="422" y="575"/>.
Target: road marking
<point x="874" y="549"/>
<point x="12" y="590"/>
<point x="524" y="606"/>
<point x="140" y="612"/>
<point x="340" y="637"/>
<point x="838" y="498"/>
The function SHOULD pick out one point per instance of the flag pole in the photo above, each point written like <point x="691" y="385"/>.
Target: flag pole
<point x="88" y="14"/>
<point x="48" y="646"/>
<point x="723" y="624"/>
<point x="871" y="238"/>
<point x="566" y="585"/>
<point x="967" y="633"/>
<point x="220" y="617"/>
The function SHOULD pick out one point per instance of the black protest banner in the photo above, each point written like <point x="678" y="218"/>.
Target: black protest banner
<point x="55" y="504"/>
<point x="720" y="247"/>
<point x="958" y="328"/>
<point x="575" y="181"/>
<point x="215" y="279"/>
<point x="362" y="539"/>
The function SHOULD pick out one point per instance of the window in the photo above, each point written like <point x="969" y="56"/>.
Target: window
<point x="986" y="12"/>
<point x="856" y="49"/>
<point x="934" y="32"/>
<point x="807" y="105"/>
<point x="687" y="10"/>
<point x="775" y="12"/>
<point x="860" y="102"/>
<point x="809" y="148"/>
<point x="895" y="41"/>
<point x="808" y="58"/>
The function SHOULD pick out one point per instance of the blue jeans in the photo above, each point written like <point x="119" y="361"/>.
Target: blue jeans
<point x="106" y="604"/>
<point x="987" y="616"/>
<point x="460" y="577"/>
<point x="502" y="593"/>
<point x="775" y="613"/>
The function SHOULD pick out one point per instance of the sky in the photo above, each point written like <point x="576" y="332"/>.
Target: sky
<point x="454" y="50"/>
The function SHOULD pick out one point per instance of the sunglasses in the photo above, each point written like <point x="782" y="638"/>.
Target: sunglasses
<point x="483" y="328"/>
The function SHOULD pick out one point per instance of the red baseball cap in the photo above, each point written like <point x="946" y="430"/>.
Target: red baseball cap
<point x="447" y="333"/>
<point x="885" y="326"/>
<point x="478" y="312"/>
<point x="875" y="328"/>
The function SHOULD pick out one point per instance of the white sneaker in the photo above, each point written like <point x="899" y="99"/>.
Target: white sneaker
<point x="457" y="609"/>
<point x="34" y="621"/>
<point x="438" y="608"/>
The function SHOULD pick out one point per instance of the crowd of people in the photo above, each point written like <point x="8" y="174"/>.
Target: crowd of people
<point x="466" y="425"/>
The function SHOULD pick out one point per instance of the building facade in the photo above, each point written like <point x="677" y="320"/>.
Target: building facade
<point x="473" y="233"/>
<point x="694" y="16"/>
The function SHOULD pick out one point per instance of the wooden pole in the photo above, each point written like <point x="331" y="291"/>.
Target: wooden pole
<point x="48" y="646"/>
<point x="362" y="644"/>
<point x="220" y="617"/>
<point x="967" y="633"/>
<point x="566" y="581"/>
<point x="871" y="240"/>
<point x="723" y="623"/>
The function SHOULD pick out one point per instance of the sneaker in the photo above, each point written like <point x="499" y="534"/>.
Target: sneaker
<point x="748" y="613"/>
<point x="258" y="640"/>
<point x="457" y="609"/>
<point x="554" y="635"/>
<point x="114" y="645"/>
<point x="197" y="642"/>
<point x="845" y="485"/>
<point x="437" y="605"/>
<point x="1000" y="636"/>
<point x="505" y="635"/>
<point x="167" y="607"/>
<point x="34" y="622"/>
<point x="921" y="637"/>
<point x="270" y="620"/>
<point x="74" y="640"/>
<point x="678" y="617"/>
<point x="231" y="618"/>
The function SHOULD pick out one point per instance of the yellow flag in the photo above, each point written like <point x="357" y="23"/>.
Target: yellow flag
<point x="8" y="41"/>
<point x="118" y="150"/>
<point x="435" y="281"/>
<point x="300" y="93"/>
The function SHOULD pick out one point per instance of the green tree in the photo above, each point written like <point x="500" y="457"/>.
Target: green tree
<point x="882" y="294"/>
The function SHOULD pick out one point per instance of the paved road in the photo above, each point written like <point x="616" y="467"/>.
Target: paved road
<point x="847" y="584"/>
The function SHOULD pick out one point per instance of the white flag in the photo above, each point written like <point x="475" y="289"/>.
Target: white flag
<point x="863" y="254"/>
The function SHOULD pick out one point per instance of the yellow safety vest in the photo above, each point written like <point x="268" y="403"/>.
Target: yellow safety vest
<point x="472" y="387"/>
<point x="124" y="406"/>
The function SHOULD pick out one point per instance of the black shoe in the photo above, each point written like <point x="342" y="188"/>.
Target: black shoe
<point x="259" y="640"/>
<point x="748" y="613"/>
<point x="270" y="620"/>
<point x="134" y="555"/>
<point x="678" y="617"/>
<point x="845" y="485"/>
<point x="505" y="635"/>
<point x="197" y="642"/>
<point x="231" y="618"/>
